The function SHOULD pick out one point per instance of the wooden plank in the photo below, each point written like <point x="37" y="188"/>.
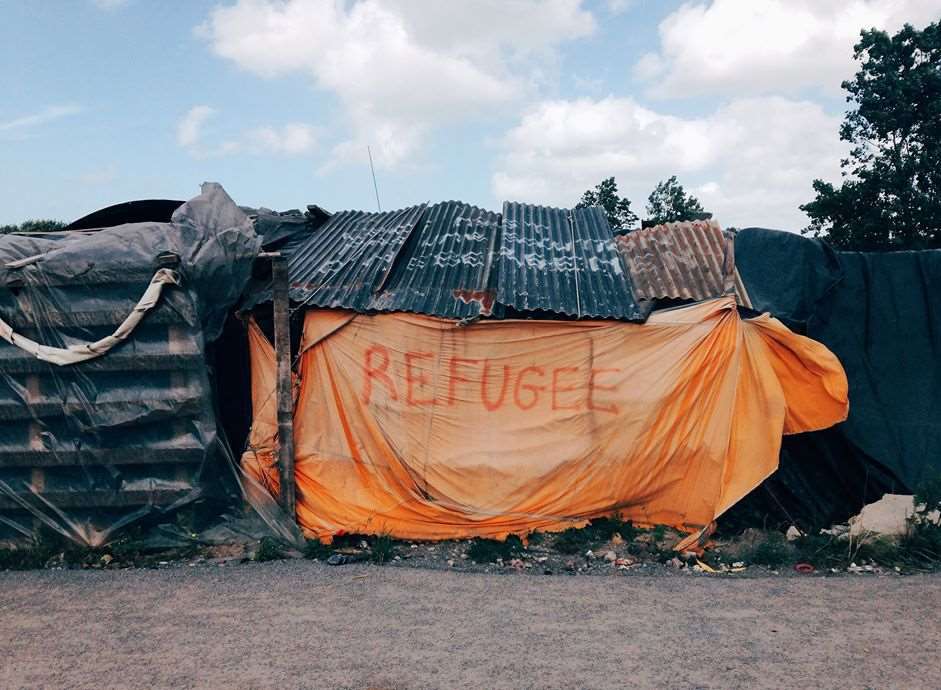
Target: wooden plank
<point x="103" y="499"/>
<point x="13" y="363"/>
<point x="282" y="347"/>
<point x="150" y="455"/>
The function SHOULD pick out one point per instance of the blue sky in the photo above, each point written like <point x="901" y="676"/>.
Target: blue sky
<point x="482" y="100"/>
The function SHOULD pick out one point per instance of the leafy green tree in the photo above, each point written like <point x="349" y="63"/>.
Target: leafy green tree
<point x="890" y="194"/>
<point x="669" y="202"/>
<point x="617" y="209"/>
<point x="40" y="225"/>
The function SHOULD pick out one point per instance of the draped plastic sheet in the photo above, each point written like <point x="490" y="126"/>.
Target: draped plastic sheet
<point x="421" y="428"/>
<point x="123" y="429"/>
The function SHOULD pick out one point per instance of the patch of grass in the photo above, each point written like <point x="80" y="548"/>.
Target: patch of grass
<point x="658" y="532"/>
<point x="489" y="550"/>
<point x="382" y="549"/>
<point x="921" y="546"/>
<point x="597" y="532"/>
<point x="269" y="549"/>
<point x="572" y="540"/>
<point x="771" y="551"/>
<point x="315" y="550"/>
<point x="602" y="529"/>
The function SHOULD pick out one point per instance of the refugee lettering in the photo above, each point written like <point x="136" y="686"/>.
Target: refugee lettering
<point x="414" y="379"/>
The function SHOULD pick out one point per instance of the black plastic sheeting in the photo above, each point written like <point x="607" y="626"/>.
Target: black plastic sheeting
<point x="90" y="447"/>
<point x="881" y="315"/>
<point x="140" y="211"/>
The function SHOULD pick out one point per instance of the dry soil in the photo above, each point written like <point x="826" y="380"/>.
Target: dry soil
<point x="304" y="624"/>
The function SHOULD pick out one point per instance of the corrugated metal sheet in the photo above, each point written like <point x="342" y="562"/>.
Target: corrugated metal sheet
<point x="562" y="261"/>
<point x="445" y="268"/>
<point x="349" y="257"/>
<point x="688" y="260"/>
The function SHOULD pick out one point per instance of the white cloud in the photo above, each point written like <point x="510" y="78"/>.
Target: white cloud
<point x="398" y="67"/>
<point x="767" y="46"/>
<point x="292" y="139"/>
<point x="189" y="129"/>
<point x="44" y="116"/>
<point x="751" y="162"/>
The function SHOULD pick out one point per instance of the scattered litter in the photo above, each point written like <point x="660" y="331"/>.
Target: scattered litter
<point x="793" y="534"/>
<point x="889" y="515"/>
<point x="705" y="567"/>
<point x="804" y="568"/>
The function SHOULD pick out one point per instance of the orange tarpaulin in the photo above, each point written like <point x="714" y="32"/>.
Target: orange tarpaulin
<point x="426" y="429"/>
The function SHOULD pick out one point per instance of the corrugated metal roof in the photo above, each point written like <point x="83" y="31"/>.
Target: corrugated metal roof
<point x="445" y="268"/>
<point x="563" y="261"/>
<point x="687" y="260"/>
<point x="342" y="263"/>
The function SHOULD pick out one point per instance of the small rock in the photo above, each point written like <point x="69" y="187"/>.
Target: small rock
<point x="610" y="556"/>
<point x="413" y="546"/>
<point x="738" y="564"/>
<point x="516" y="563"/>
<point x="547" y="571"/>
<point x="450" y="563"/>
<point x="792" y="534"/>
<point x="589" y="554"/>
<point x="107" y="558"/>
<point x="542" y="559"/>
<point x="570" y="566"/>
<point x="363" y="544"/>
<point x="397" y="558"/>
<point x="675" y="563"/>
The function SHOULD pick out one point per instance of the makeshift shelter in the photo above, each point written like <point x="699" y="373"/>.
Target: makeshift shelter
<point x="465" y="373"/>
<point x="106" y="402"/>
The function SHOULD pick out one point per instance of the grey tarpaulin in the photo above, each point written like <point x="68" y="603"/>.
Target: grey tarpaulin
<point x="881" y="315"/>
<point x="88" y="447"/>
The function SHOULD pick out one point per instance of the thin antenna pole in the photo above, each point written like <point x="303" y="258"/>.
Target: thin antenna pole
<point x="373" y="171"/>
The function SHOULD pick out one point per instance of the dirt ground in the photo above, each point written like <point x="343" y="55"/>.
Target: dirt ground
<point x="304" y="624"/>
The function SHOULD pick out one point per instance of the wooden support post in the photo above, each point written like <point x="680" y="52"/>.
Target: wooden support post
<point x="282" y="349"/>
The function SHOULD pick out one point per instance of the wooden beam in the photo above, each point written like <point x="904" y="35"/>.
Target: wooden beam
<point x="282" y="349"/>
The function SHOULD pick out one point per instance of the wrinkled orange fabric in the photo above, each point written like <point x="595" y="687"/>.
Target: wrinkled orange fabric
<point x="425" y="429"/>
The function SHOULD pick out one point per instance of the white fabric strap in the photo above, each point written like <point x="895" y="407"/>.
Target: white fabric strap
<point x="83" y="352"/>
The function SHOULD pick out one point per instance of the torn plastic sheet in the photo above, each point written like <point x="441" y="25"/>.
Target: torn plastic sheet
<point x="107" y="414"/>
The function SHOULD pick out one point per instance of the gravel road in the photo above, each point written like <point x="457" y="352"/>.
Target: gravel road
<point x="303" y="624"/>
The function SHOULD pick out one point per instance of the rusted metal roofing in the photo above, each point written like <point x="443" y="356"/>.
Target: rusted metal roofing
<point x="445" y="268"/>
<point x="343" y="262"/>
<point x="455" y="260"/>
<point x="687" y="260"/>
<point x="563" y="261"/>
